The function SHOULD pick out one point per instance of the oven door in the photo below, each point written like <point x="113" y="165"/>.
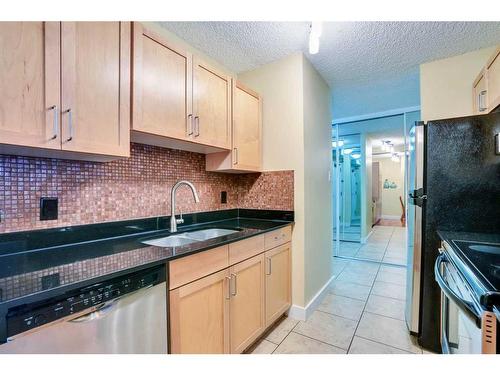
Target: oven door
<point x="460" y="313"/>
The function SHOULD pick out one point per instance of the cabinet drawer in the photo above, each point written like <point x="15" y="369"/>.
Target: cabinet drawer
<point x="241" y="250"/>
<point x="278" y="237"/>
<point x="193" y="267"/>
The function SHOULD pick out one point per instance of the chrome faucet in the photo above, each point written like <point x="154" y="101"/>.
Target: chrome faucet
<point x="173" y="220"/>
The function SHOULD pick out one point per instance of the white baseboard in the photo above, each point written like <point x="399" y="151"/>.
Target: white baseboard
<point x="365" y="239"/>
<point x="302" y="313"/>
<point x="391" y="217"/>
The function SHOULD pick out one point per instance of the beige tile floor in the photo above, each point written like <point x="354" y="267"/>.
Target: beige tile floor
<point x="363" y="313"/>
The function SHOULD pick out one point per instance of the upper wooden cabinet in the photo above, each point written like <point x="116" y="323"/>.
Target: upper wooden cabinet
<point x="486" y="86"/>
<point x="493" y="75"/>
<point x="65" y="87"/>
<point x="246" y="152"/>
<point x="179" y="101"/>
<point x="95" y="92"/>
<point x="29" y="84"/>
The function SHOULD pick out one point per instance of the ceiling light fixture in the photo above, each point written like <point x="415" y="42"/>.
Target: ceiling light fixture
<point x="340" y="143"/>
<point x="347" y="151"/>
<point x="314" y="35"/>
<point x="395" y="157"/>
<point x="355" y="156"/>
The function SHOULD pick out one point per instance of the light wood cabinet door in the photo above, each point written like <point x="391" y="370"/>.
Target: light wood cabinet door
<point x="480" y="94"/>
<point x="212" y="106"/>
<point x="199" y="316"/>
<point x="247" y="154"/>
<point x="162" y="86"/>
<point x="29" y="84"/>
<point x="247" y="302"/>
<point x="278" y="285"/>
<point x="493" y="73"/>
<point x="95" y="79"/>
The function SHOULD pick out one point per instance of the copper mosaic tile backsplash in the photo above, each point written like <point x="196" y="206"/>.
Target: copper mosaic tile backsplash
<point x="136" y="187"/>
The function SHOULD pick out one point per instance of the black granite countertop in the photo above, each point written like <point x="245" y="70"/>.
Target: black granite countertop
<point x="43" y="264"/>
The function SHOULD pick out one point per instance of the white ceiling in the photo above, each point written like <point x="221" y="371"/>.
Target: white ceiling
<point x="350" y="52"/>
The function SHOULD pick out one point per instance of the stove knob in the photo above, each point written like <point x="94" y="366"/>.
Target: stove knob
<point x="40" y="319"/>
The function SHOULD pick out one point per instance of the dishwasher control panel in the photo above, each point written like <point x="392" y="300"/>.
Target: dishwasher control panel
<point x="26" y="317"/>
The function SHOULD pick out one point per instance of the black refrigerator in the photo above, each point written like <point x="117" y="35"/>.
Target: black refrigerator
<point x="454" y="185"/>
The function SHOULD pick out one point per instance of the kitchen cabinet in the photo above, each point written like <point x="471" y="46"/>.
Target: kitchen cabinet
<point x="493" y="75"/>
<point x="29" y="89"/>
<point x="179" y="101"/>
<point x="199" y="316"/>
<point x="247" y="302"/>
<point x="65" y="87"/>
<point x="479" y="93"/>
<point x="246" y="151"/>
<point x="223" y="299"/>
<point x="278" y="282"/>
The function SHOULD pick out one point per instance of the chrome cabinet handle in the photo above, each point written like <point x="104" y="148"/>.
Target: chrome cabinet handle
<point x="197" y="125"/>
<point x="70" y="124"/>
<point x="235" y="155"/>
<point x="190" y="124"/>
<point x="55" y="122"/>
<point x="228" y="294"/>
<point x="234" y="287"/>
<point x="480" y="98"/>
<point x="269" y="266"/>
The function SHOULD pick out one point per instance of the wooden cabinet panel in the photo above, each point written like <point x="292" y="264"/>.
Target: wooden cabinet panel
<point x="96" y="87"/>
<point x="188" y="269"/>
<point x="199" y="316"/>
<point x="244" y="249"/>
<point x="278" y="237"/>
<point x="493" y="74"/>
<point x="278" y="282"/>
<point x="162" y="94"/>
<point x="247" y="153"/>
<point x="212" y="106"/>
<point x="247" y="303"/>
<point x="29" y="84"/>
<point x="480" y="94"/>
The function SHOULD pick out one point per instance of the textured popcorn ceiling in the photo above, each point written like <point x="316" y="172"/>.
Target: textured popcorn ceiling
<point x="349" y="51"/>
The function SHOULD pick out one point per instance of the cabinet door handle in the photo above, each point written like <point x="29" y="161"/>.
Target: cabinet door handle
<point x="235" y="155"/>
<point x="269" y="266"/>
<point x="55" y="122"/>
<point x="70" y="124"/>
<point x="197" y="125"/>
<point x="480" y="99"/>
<point x="190" y="125"/>
<point x="228" y="289"/>
<point x="234" y="290"/>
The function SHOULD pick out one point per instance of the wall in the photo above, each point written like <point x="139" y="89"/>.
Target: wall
<point x="297" y="135"/>
<point x="134" y="187"/>
<point x="359" y="98"/>
<point x="446" y="85"/>
<point x="317" y="186"/>
<point x="394" y="172"/>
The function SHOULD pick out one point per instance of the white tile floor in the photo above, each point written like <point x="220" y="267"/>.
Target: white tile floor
<point x="362" y="313"/>
<point x="386" y="244"/>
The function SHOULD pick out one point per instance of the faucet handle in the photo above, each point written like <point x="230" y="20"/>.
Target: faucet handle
<point x="180" y="220"/>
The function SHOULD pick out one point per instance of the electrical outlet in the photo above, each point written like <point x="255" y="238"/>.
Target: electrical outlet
<point x="223" y="196"/>
<point x="48" y="208"/>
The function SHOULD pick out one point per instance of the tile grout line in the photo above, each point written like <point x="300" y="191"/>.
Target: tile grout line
<point x="315" y="339"/>
<point x="381" y="343"/>
<point x="281" y="342"/>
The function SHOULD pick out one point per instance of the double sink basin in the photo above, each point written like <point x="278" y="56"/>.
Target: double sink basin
<point x="189" y="237"/>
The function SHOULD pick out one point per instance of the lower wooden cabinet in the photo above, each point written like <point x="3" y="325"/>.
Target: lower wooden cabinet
<point x="199" y="316"/>
<point x="246" y="308"/>
<point x="278" y="282"/>
<point x="227" y="311"/>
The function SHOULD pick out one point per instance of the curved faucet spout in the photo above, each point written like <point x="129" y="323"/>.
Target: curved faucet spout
<point x="173" y="220"/>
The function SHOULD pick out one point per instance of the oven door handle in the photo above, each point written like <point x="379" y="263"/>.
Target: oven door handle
<point x="465" y="306"/>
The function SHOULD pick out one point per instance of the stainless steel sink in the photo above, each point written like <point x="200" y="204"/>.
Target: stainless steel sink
<point x="189" y="237"/>
<point x="206" y="234"/>
<point x="170" y="241"/>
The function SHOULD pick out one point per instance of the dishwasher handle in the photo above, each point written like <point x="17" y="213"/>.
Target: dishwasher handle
<point x="105" y="308"/>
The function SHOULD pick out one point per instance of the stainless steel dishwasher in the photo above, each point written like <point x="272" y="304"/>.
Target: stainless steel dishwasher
<point x="123" y="315"/>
